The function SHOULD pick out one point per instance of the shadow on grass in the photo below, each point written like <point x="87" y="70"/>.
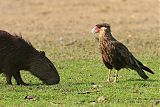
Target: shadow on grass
<point x="78" y="84"/>
<point x="141" y="80"/>
<point x="37" y="84"/>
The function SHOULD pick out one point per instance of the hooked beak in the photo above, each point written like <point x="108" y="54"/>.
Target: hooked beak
<point x="95" y="30"/>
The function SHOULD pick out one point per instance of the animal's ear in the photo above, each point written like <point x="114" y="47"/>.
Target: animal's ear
<point x="42" y="53"/>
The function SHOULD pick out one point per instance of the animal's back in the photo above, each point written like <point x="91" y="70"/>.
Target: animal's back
<point x="5" y="44"/>
<point x="5" y="38"/>
<point x="119" y="55"/>
<point x="12" y="49"/>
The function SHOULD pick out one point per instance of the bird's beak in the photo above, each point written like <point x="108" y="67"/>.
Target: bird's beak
<point x="95" y="30"/>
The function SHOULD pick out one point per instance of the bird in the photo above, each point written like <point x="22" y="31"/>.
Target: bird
<point x="115" y="55"/>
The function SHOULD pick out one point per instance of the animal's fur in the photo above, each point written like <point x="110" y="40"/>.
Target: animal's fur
<point x="17" y="54"/>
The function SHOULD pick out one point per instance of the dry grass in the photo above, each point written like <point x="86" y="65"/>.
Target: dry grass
<point x="62" y="27"/>
<point x="135" y="23"/>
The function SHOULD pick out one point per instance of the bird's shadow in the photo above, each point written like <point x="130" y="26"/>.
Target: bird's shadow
<point x="80" y="84"/>
<point x="141" y="80"/>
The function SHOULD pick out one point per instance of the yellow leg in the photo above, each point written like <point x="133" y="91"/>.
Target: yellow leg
<point x="116" y="76"/>
<point x="109" y="76"/>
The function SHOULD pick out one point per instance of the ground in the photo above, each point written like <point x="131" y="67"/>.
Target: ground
<point x="62" y="29"/>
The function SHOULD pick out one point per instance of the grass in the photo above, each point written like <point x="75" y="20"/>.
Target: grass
<point x="62" y="30"/>
<point x="76" y="87"/>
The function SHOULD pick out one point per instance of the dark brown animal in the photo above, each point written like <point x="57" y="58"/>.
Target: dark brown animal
<point x="17" y="54"/>
<point x="115" y="54"/>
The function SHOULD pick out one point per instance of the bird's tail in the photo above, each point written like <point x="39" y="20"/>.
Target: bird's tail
<point x="142" y="74"/>
<point x="138" y="66"/>
<point x="145" y="67"/>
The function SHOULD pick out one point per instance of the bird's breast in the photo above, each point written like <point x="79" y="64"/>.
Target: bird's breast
<point x="106" y="52"/>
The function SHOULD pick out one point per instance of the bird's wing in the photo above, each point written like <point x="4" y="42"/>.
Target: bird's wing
<point x="128" y="59"/>
<point x="120" y="53"/>
<point x="124" y="54"/>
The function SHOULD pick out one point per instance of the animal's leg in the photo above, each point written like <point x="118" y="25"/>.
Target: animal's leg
<point x="8" y="75"/>
<point x="116" y="76"/>
<point x="8" y="79"/>
<point x="109" y="76"/>
<point x="18" y="78"/>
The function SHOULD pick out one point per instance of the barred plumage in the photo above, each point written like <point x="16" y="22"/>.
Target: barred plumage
<point x="115" y="54"/>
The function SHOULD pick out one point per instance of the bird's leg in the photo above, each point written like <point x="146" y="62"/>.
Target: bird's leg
<point x="109" y="78"/>
<point x="116" y="76"/>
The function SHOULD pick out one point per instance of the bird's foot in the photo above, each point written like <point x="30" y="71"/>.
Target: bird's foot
<point x="109" y="80"/>
<point x="115" y="81"/>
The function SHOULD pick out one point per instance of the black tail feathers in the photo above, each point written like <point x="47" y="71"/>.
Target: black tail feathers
<point x="142" y="74"/>
<point x="147" y="69"/>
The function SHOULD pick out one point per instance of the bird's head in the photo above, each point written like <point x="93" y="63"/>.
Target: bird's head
<point x="101" y="27"/>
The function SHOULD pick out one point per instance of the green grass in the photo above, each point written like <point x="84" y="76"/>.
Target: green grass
<point x="62" y="29"/>
<point x="76" y="87"/>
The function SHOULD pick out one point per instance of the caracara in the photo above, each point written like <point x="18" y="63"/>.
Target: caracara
<point x="115" y="54"/>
